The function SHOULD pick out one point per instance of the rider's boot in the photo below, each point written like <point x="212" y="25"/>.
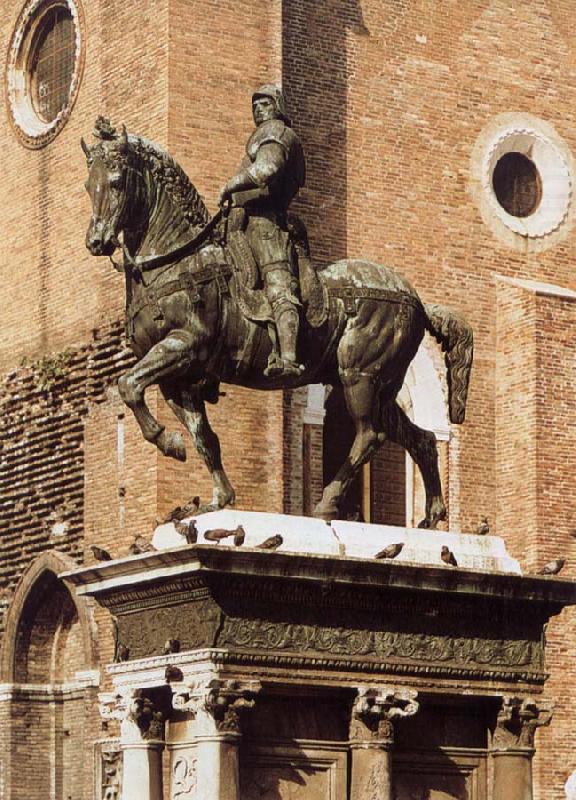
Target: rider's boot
<point x="279" y="291"/>
<point x="287" y="324"/>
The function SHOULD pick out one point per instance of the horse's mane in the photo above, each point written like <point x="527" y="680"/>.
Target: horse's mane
<point x="167" y="171"/>
<point x="116" y="148"/>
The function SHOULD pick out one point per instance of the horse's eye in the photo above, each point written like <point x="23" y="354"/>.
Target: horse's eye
<point x="115" y="181"/>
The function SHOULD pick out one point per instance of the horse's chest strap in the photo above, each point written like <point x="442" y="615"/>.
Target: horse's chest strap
<point x="188" y="282"/>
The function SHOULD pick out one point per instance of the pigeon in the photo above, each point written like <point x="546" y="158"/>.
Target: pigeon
<point x="100" y="554"/>
<point x="181" y="512"/>
<point x="239" y="536"/>
<point x="447" y="556"/>
<point x="391" y="551"/>
<point x="140" y="545"/>
<point x="172" y="673"/>
<point x="171" y="646"/>
<point x="188" y="530"/>
<point x="122" y="653"/>
<point x="552" y="567"/>
<point x="216" y="534"/>
<point x="272" y="543"/>
<point x="484" y="527"/>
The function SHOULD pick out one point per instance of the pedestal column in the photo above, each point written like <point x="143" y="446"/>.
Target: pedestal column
<point x="204" y="758"/>
<point x="513" y="746"/>
<point x="141" y="714"/>
<point x="374" y="714"/>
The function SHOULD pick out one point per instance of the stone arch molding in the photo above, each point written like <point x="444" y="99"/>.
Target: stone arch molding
<point x="55" y="563"/>
<point x="423" y="395"/>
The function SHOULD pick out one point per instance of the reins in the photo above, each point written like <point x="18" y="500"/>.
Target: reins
<point x="145" y="263"/>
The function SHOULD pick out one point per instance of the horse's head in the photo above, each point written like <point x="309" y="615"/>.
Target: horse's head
<point x="114" y="185"/>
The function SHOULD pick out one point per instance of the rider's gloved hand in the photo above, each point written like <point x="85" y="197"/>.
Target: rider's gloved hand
<point x="225" y="196"/>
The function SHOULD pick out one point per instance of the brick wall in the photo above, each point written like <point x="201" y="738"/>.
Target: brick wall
<point x="389" y="98"/>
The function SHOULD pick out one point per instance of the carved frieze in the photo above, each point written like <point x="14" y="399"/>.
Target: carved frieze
<point x="193" y="624"/>
<point x="518" y="720"/>
<point x="386" y="645"/>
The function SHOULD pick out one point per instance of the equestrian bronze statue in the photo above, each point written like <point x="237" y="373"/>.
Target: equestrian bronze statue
<point x="201" y="307"/>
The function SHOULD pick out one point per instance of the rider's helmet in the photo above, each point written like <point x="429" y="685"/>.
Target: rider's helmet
<point x="275" y="94"/>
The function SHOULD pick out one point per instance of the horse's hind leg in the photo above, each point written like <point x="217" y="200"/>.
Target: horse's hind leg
<point x="170" y="357"/>
<point x="421" y="445"/>
<point x="360" y="399"/>
<point x="188" y="405"/>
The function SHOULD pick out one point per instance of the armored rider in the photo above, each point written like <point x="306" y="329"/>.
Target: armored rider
<point x="269" y="178"/>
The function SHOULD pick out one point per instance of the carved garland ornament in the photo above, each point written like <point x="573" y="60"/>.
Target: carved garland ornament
<point x="264" y="635"/>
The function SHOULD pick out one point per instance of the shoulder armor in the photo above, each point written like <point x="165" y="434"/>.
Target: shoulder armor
<point x="274" y="130"/>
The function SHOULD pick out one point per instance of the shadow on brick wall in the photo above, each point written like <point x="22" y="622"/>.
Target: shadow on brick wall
<point x="316" y="68"/>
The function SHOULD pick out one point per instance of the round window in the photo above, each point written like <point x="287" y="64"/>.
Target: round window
<point x="521" y="177"/>
<point x="44" y="68"/>
<point x="517" y="184"/>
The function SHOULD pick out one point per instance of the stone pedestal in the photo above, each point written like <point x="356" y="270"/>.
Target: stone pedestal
<point x="200" y="628"/>
<point x="513" y="746"/>
<point x="372" y="738"/>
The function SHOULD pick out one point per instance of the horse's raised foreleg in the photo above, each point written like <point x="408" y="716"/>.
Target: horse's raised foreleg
<point x="188" y="405"/>
<point x="170" y="357"/>
<point x="360" y="403"/>
<point x="421" y="446"/>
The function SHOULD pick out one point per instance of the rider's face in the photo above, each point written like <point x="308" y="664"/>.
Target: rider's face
<point x="263" y="109"/>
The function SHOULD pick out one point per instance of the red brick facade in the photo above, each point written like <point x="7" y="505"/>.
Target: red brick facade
<point x="391" y="100"/>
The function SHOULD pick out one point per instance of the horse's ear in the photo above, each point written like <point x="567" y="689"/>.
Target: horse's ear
<point x="123" y="138"/>
<point x="86" y="149"/>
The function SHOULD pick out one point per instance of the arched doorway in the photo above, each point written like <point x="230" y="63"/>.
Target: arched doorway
<point x="50" y="685"/>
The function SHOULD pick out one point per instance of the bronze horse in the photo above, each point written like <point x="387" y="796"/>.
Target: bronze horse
<point x="188" y="331"/>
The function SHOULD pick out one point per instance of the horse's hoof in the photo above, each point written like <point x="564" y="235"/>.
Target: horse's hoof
<point x="172" y="445"/>
<point x="424" y="523"/>
<point x="325" y="512"/>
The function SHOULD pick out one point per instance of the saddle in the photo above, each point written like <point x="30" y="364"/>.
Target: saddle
<point x="246" y="288"/>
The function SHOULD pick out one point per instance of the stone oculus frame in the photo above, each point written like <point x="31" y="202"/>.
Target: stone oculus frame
<point x="31" y="129"/>
<point x="380" y="639"/>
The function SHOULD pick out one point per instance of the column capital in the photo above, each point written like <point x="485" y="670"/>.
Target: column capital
<point x="518" y="719"/>
<point x="221" y="701"/>
<point x="141" y="713"/>
<point x="375" y="711"/>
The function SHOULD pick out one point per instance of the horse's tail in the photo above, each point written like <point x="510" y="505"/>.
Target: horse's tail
<point x="455" y="335"/>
